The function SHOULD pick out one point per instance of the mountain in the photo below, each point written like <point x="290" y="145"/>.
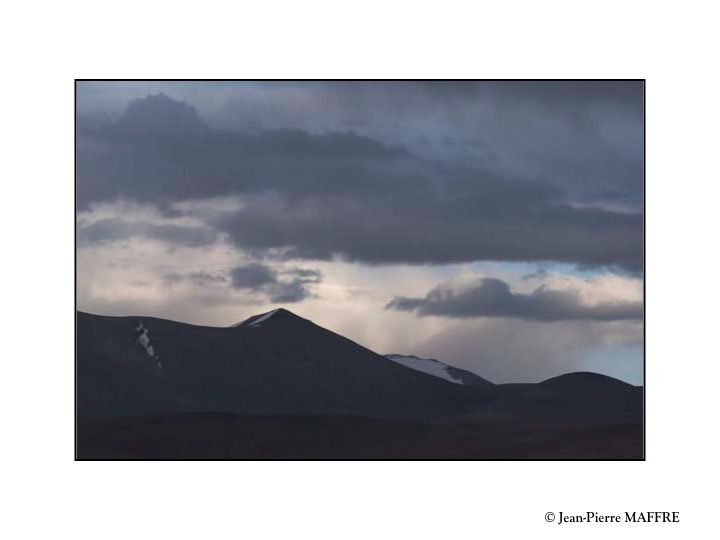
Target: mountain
<point x="273" y="363"/>
<point x="438" y="369"/>
<point x="277" y="385"/>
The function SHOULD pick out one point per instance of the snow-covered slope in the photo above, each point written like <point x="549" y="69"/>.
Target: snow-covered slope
<point x="438" y="369"/>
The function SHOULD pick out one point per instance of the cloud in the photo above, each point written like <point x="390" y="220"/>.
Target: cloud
<point x="584" y="136"/>
<point x="500" y="226"/>
<point x="345" y="195"/>
<point x="288" y="291"/>
<point x="154" y="115"/>
<point x="113" y="229"/>
<point x="306" y="274"/>
<point x="262" y="279"/>
<point x="252" y="276"/>
<point x="200" y="278"/>
<point x="491" y="297"/>
<point x="159" y="150"/>
<point x="539" y="273"/>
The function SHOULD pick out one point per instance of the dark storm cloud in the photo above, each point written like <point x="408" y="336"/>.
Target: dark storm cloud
<point x="262" y="279"/>
<point x="583" y="136"/>
<point x="455" y="230"/>
<point x="288" y="291"/>
<point x="252" y="276"/>
<point x="111" y="229"/>
<point x="342" y="194"/>
<point x="492" y="297"/>
<point x="562" y="93"/>
<point x="160" y="150"/>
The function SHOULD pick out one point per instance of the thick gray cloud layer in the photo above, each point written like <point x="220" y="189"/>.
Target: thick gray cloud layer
<point x="343" y="194"/>
<point x="583" y="136"/>
<point x="262" y="279"/>
<point x="491" y="297"/>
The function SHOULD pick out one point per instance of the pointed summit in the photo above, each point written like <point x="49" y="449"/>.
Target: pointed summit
<point x="275" y="314"/>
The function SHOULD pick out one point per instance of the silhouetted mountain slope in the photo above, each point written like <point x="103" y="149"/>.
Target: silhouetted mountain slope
<point x="279" y="363"/>
<point x="276" y="363"/>
<point x="439" y="369"/>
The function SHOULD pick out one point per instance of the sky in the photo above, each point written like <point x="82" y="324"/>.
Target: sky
<point x="496" y="226"/>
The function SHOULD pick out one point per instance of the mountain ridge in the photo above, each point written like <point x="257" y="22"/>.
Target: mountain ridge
<point x="278" y="385"/>
<point x="280" y="363"/>
<point x="288" y="366"/>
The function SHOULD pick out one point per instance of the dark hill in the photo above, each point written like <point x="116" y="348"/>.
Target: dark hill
<point x="581" y="394"/>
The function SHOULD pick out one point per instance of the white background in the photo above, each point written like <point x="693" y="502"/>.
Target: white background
<point x="47" y="44"/>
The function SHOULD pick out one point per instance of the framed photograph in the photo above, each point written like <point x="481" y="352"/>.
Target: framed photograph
<point x="360" y="269"/>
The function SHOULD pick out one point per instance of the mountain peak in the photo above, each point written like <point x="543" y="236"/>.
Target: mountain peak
<point x="275" y="314"/>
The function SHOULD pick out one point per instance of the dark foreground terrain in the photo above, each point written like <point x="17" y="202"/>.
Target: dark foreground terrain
<point x="278" y="386"/>
<point x="347" y="437"/>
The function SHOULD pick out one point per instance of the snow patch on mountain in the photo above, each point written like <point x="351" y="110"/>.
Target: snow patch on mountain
<point x="144" y="341"/>
<point x="426" y="365"/>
